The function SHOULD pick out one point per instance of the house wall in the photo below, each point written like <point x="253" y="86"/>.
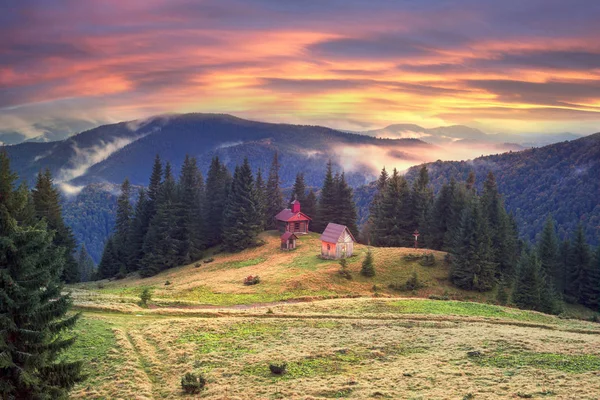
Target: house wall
<point x="331" y="253"/>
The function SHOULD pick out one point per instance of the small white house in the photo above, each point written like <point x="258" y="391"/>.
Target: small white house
<point x="337" y="242"/>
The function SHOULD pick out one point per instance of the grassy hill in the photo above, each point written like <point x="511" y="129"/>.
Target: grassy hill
<point x="375" y="346"/>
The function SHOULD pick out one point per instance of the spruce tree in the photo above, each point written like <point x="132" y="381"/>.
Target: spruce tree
<point x="109" y="263"/>
<point x="392" y="227"/>
<point x="273" y="194"/>
<point x="473" y="267"/>
<point x="85" y="264"/>
<point x="189" y="211"/>
<point x="579" y="259"/>
<point x="327" y="205"/>
<point x="375" y="206"/>
<point x="33" y="310"/>
<point x="549" y="254"/>
<point x="368" y="269"/>
<point x="298" y="190"/>
<point x="346" y="207"/>
<point x="310" y="205"/>
<point x="218" y="182"/>
<point x="590" y="282"/>
<point x="46" y="201"/>
<point x="137" y="233"/>
<point x="161" y="245"/>
<point x="261" y="198"/>
<point x="422" y="204"/>
<point x="154" y="186"/>
<point x="528" y="284"/>
<point x="440" y="217"/>
<point x="123" y="228"/>
<point x="460" y="198"/>
<point x="241" y="224"/>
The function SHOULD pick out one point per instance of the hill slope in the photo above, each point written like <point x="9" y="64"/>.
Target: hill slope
<point x="561" y="179"/>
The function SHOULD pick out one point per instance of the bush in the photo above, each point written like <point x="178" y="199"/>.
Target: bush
<point x="197" y="265"/>
<point x="145" y="297"/>
<point x="209" y="260"/>
<point x="192" y="383"/>
<point x="411" y="257"/>
<point x="367" y="266"/>
<point x="443" y="297"/>
<point x="278" y="368"/>
<point x="167" y="283"/>
<point x="343" y="271"/>
<point x="427" y="260"/>
<point x="251" y="280"/>
<point x="100" y="285"/>
<point x="412" y="283"/>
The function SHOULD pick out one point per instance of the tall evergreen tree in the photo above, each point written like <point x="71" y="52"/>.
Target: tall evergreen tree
<point x="460" y="198"/>
<point x="154" y="186"/>
<point x="298" y="190"/>
<point x="440" y="218"/>
<point x="422" y="204"/>
<point x="218" y="182"/>
<point x="33" y="310"/>
<point x="375" y="206"/>
<point x="346" y="207"/>
<point x="241" y="221"/>
<point x="549" y="254"/>
<point x="273" y="194"/>
<point x="161" y="245"/>
<point x="392" y="226"/>
<point x="46" y="201"/>
<point x="590" y="282"/>
<point x="473" y="267"/>
<point x="261" y="198"/>
<point x="137" y="233"/>
<point x="529" y="284"/>
<point x="109" y="263"/>
<point x="189" y="211"/>
<point x="85" y="264"/>
<point x="579" y="259"/>
<point x="327" y="205"/>
<point x="123" y="228"/>
<point x="310" y="205"/>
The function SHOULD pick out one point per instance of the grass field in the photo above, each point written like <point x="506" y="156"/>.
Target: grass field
<point x="361" y="343"/>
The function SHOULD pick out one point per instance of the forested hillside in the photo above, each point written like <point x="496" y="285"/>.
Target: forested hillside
<point x="562" y="180"/>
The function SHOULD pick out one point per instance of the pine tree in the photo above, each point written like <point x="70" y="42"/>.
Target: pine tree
<point x="375" y="206"/>
<point x="440" y="217"/>
<point x="549" y="254"/>
<point x="109" y="263"/>
<point x="392" y="227"/>
<point x="298" y="190"/>
<point x="241" y="224"/>
<point x="137" y="233"/>
<point x="529" y="284"/>
<point x="154" y="186"/>
<point x="579" y="259"/>
<point x="161" y="245"/>
<point x="590" y="283"/>
<point x="261" y="198"/>
<point x="123" y="229"/>
<point x="327" y="205"/>
<point x="346" y="207"/>
<point x="273" y="194"/>
<point x="368" y="269"/>
<point x="422" y="204"/>
<point x="46" y="201"/>
<point x="218" y="182"/>
<point x="473" y="267"/>
<point x="33" y="310"/>
<point x="460" y="198"/>
<point x="85" y="264"/>
<point x="310" y="205"/>
<point x="189" y="211"/>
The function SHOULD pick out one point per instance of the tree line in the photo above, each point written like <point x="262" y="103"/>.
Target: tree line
<point x="36" y="255"/>
<point x="174" y="220"/>
<point x="481" y="238"/>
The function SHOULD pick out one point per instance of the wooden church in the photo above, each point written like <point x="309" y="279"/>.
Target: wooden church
<point x="293" y="220"/>
<point x="337" y="242"/>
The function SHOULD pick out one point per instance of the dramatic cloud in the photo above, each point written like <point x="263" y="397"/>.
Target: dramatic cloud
<point x="67" y="65"/>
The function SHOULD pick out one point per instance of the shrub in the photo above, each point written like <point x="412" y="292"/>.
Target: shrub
<point x="367" y="266"/>
<point x="192" y="383"/>
<point x="439" y="297"/>
<point x="278" y="368"/>
<point x="197" y="265"/>
<point x="167" y="283"/>
<point x="412" y="283"/>
<point x="343" y="271"/>
<point x="209" y="260"/>
<point x="427" y="260"/>
<point x="100" y="285"/>
<point x="251" y="280"/>
<point x="411" y="257"/>
<point x="145" y="297"/>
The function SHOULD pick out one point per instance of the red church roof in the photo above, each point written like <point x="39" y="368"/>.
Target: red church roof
<point x="288" y="216"/>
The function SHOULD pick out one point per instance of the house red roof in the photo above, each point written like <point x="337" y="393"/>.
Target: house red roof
<point x="333" y="232"/>
<point x="287" y="215"/>
<point x="287" y="236"/>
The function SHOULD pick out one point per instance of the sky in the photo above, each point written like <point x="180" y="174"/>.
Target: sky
<point x="510" y="66"/>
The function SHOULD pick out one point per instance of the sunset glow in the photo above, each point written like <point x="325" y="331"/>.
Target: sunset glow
<point x="345" y="64"/>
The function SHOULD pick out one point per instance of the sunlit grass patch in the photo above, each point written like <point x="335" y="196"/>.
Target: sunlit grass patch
<point x="243" y="263"/>
<point x="572" y="363"/>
